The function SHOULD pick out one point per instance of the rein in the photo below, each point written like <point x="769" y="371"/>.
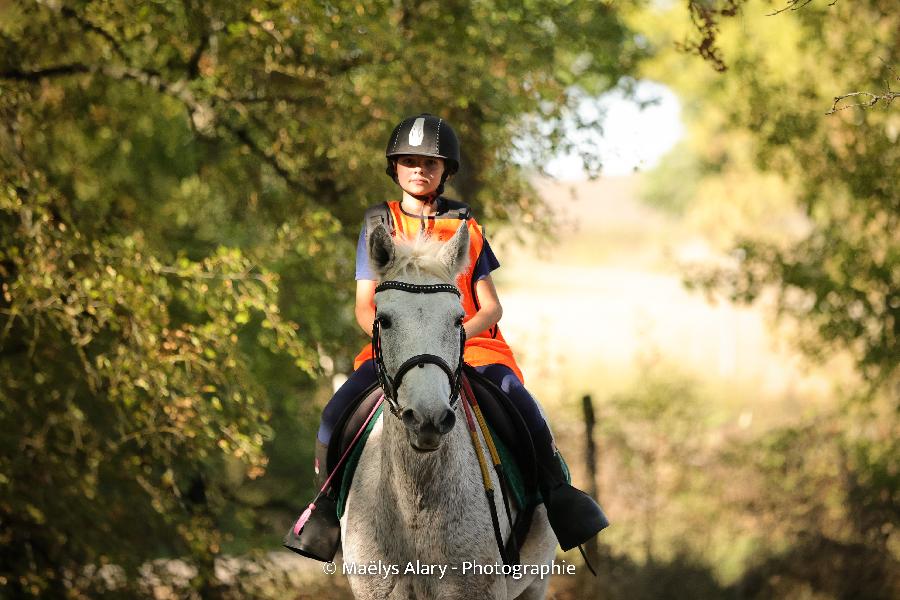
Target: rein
<point x="474" y="418"/>
<point x="390" y="385"/>
<point x="512" y="554"/>
<point x="304" y="517"/>
<point x="485" y="477"/>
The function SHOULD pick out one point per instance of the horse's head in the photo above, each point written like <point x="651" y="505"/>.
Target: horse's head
<point x="418" y="333"/>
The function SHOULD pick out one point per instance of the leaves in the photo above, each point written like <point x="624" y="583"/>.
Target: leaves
<point x="183" y="184"/>
<point x="806" y="202"/>
<point x="104" y="389"/>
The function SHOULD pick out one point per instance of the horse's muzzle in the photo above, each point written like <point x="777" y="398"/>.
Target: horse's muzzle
<point x="425" y="434"/>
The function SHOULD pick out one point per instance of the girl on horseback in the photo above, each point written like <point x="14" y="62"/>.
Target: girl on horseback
<point x="422" y="153"/>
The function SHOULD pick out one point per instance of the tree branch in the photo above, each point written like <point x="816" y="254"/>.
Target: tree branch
<point x="198" y="24"/>
<point x="706" y="18"/>
<point x="96" y="29"/>
<point x="241" y="134"/>
<point x="151" y="79"/>
<point x="38" y="74"/>
<point x="796" y="5"/>
<point x="178" y="90"/>
<point x="193" y="66"/>
<point x="263" y="99"/>
<point x="887" y="97"/>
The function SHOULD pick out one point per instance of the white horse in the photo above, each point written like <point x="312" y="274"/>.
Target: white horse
<point x="417" y="510"/>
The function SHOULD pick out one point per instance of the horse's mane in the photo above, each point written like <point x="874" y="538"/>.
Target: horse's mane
<point x="416" y="258"/>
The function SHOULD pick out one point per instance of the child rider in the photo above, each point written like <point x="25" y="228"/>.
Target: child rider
<point x="423" y="151"/>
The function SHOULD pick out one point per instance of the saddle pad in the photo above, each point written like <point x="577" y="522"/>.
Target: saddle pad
<point x="353" y="460"/>
<point x="349" y="423"/>
<point x="518" y="493"/>
<point x="507" y="424"/>
<point x="513" y="473"/>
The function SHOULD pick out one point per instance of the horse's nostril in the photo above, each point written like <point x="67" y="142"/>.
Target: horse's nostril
<point x="447" y="422"/>
<point x="409" y="418"/>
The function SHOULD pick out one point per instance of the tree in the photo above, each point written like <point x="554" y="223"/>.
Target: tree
<point x="839" y="275"/>
<point x="183" y="183"/>
<point x="826" y="246"/>
<point x="707" y="17"/>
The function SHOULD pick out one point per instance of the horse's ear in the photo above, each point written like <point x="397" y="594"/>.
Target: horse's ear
<point x="455" y="253"/>
<point x="381" y="250"/>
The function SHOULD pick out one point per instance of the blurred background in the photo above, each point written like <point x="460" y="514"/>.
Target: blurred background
<point x="698" y="239"/>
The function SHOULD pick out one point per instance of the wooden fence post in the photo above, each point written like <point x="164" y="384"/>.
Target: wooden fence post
<point x="590" y="459"/>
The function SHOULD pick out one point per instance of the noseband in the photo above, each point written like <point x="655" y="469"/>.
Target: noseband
<point x="389" y="384"/>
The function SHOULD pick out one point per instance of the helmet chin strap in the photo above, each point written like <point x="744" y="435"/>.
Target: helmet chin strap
<point x="424" y="199"/>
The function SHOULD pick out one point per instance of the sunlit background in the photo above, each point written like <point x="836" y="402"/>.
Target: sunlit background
<point x="696" y="238"/>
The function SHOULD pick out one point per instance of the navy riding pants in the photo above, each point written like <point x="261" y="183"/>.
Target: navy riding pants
<point x="500" y="375"/>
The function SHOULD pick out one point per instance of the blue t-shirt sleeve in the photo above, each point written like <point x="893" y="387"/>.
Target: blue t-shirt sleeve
<point x="486" y="263"/>
<point x="363" y="270"/>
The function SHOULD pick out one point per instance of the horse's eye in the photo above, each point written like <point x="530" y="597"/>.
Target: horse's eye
<point x="385" y="321"/>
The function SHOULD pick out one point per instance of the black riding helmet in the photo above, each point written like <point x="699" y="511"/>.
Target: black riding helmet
<point x="424" y="135"/>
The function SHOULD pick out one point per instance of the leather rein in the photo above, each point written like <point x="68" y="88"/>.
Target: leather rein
<point x="390" y="385"/>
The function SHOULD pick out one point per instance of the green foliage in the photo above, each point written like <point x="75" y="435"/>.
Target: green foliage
<point x="672" y="185"/>
<point x="825" y="496"/>
<point x="838" y="273"/>
<point x="309" y="89"/>
<point x="653" y="430"/>
<point x="183" y="184"/>
<point x="112" y="403"/>
<point x="804" y="509"/>
<point x="807" y="205"/>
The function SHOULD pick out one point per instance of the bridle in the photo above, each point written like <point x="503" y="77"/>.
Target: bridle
<point x="389" y="384"/>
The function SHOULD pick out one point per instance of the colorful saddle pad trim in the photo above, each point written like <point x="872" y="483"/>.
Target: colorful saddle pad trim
<point x="513" y="473"/>
<point x="353" y="460"/>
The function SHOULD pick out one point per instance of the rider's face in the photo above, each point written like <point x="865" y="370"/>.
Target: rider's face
<point x="419" y="175"/>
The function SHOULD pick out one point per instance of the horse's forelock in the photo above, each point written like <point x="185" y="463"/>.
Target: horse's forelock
<point x="417" y="258"/>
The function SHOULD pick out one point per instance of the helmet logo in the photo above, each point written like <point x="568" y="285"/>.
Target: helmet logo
<point x="417" y="133"/>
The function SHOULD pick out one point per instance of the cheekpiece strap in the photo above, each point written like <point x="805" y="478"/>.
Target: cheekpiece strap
<point x="416" y="288"/>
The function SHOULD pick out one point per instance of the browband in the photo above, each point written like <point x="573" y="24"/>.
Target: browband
<point x="416" y="288"/>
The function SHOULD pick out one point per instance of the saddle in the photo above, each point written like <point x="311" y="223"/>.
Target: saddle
<point x="507" y="427"/>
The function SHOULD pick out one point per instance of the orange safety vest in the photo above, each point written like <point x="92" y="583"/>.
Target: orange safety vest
<point x="485" y="348"/>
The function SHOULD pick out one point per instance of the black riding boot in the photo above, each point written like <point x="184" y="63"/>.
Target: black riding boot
<point x="574" y="516"/>
<point x="320" y="535"/>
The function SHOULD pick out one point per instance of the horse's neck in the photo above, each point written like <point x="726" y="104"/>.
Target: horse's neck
<point x="424" y="479"/>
